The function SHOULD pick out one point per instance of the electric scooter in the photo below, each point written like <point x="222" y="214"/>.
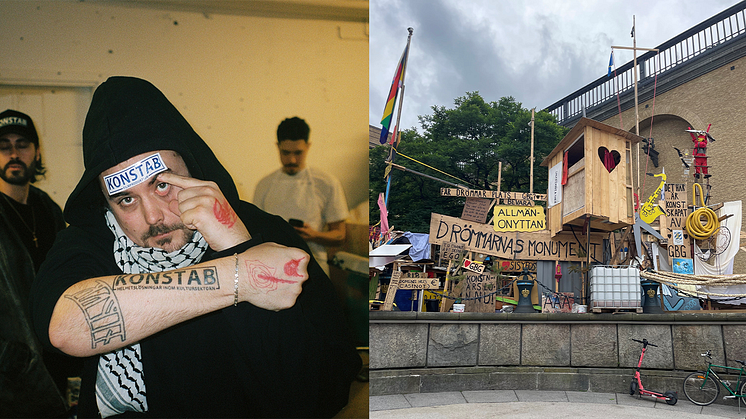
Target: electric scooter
<point x="635" y="386"/>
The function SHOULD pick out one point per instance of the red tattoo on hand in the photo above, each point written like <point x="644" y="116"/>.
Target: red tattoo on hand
<point x="291" y="268"/>
<point x="224" y="213"/>
<point x="263" y="276"/>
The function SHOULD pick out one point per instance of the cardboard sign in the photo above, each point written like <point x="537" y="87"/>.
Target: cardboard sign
<point x="476" y="290"/>
<point x="472" y="193"/>
<point x="476" y="209"/>
<point x="514" y="218"/>
<point x="537" y="245"/>
<point x="388" y="303"/>
<point x="517" y="265"/>
<point x="451" y="251"/>
<point x="416" y="281"/>
<point x="472" y="266"/>
<point x="557" y="303"/>
<point x="679" y="243"/>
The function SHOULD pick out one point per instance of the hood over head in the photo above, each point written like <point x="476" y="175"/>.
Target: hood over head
<point x="129" y="116"/>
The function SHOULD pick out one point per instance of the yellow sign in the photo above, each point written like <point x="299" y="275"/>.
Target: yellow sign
<point x="515" y="218"/>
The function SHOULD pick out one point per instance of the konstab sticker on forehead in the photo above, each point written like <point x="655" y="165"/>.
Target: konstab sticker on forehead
<point x="135" y="174"/>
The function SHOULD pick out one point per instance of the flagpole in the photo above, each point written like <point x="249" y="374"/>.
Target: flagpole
<point x="531" y="189"/>
<point x="637" y="113"/>
<point x="395" y="134"/>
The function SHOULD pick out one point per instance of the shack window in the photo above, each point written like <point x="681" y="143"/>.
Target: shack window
<point x="576" y="152"/>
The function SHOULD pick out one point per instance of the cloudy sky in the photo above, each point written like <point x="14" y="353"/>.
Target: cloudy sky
<point x="537" y="51"/>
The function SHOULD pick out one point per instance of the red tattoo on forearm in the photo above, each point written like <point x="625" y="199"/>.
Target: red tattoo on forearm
<point x="224" y="213"/>
<point x="291" y="268"/>
<point x="263" y="276"/>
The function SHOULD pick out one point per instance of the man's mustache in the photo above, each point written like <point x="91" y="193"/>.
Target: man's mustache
<point x="19" y="162"/>
<point x="157" y="230"/>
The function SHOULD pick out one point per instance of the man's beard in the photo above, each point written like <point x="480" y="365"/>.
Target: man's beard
<point x="164" y="243"/>
<point x="16" y="177"/>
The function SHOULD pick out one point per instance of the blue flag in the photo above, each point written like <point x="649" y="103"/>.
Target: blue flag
<point x="611" y="63"/>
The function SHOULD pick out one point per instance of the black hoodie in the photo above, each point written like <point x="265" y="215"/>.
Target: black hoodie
<point x="236" y="362"/>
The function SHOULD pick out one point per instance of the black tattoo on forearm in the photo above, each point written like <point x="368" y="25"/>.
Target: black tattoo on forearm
<point x="102" y="313"/>
<point x="201" y="279"/>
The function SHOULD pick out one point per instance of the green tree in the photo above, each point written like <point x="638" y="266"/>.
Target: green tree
<point x="463" y="145"/>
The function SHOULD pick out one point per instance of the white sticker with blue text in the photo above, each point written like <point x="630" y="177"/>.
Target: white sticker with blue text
<point x="135" y="174"/>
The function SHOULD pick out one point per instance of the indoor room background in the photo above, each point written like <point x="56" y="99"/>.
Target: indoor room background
<point x="233" y="74"/>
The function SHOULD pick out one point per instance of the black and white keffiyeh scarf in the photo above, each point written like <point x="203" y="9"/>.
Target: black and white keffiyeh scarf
<point x="120" y="385"/>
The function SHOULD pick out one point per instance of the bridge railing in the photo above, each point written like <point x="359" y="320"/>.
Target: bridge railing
<point x="695" y="43"/>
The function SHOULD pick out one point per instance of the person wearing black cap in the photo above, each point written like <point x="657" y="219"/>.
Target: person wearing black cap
<point x="29" y="222"/>
<point x="185" y="300"/>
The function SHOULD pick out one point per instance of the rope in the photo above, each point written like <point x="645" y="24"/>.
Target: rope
<point x="673" y="280"/>
<point x="694" y="221"/>
<point x="430" y="167"/>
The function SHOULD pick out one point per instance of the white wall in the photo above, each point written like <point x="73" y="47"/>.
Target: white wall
<point x="234" y="78"/>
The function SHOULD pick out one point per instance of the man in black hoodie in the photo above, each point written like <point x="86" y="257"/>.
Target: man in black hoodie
<point x="185" y="300"/>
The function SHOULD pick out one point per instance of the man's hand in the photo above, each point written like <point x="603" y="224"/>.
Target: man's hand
<point x="272" y="276"/>
<point x="306" y="232"/>
<point x="202" y="207"/>
<point x="334" y="236"/>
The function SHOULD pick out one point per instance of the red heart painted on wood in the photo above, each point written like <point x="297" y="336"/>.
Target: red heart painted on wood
<point x="610" y="159"/>
<point x="467" y="263"/>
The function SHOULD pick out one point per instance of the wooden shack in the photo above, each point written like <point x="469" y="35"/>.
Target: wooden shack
<point x="596" y="178"/>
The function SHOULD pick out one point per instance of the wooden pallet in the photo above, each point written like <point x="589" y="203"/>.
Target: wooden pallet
<point x="616" y="310"/>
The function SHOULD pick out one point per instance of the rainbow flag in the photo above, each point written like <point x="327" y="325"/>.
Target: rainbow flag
<point x="396" y="84"/>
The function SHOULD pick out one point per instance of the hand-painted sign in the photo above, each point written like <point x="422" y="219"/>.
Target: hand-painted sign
<point x="451" y="251"/>
<point x="416" y="281"/>
<point x="517" y="265"/>
<point x="472" y="193"/>
<point x="472" y="266"/>
<point x="679" y="244"/>
<point x="537" y="245"/>
<point x="476" y="209"/>
<point x="514" y="218"/>
<point x="479" y="294"/>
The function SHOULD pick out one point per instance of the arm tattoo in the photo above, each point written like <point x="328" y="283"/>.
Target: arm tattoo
<point x="102" y="313"/>
<point x="263" y="276"/>
<point x="188" y="279"/>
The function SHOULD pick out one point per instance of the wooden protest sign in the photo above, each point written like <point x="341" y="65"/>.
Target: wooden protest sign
<point x="417" y="281"/>
<point x="537" y="245"/>
<point x="515" y="218"/>
<point x="473" y="193"/>
<point x="456" y="292"/>
<point x="388" y="303"/>
<point x="476" y="209"/>
<point x="475" y="294"/>
<point x="472" y="266"/>
<point x="517" y="265"/>
<point x="451" y="251"/>
<point x="676" y="213"/>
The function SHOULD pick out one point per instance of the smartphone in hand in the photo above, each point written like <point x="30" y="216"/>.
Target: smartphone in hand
<point x="295" y="222"/>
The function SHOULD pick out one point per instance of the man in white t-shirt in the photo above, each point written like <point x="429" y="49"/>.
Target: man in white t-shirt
<point x="311" y="200"/>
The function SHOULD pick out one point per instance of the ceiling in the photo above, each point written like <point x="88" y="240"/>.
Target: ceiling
<point x="335" y="10"/>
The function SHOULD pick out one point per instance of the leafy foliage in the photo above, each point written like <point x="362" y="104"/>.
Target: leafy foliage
<point x="463" y="145"/>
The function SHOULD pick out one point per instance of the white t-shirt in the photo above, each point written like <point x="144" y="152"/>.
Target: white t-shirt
<point x="311" y="195"/>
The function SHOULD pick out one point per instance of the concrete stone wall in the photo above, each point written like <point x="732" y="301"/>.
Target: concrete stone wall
<point x="414" y="352"/>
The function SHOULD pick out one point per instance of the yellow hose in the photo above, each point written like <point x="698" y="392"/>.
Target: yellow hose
<point x="694" y="225"/>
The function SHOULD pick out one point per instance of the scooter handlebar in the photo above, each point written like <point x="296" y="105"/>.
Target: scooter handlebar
<point x="645" y="342"/>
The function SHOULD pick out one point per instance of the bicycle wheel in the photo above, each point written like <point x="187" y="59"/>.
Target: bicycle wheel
<point x="743" y="389"/>
<point x="701" y="389"/>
